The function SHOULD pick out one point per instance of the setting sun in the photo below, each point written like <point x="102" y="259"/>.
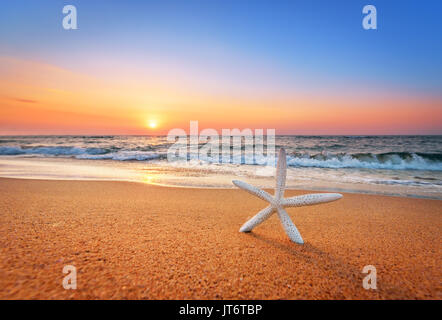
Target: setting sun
<point x="152" y="124"/>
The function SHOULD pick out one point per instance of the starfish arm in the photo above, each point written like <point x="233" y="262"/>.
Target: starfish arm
<point x="259" y="218"/>
<point x="289" y="226"/>
<point x="281" y="173"/>
<point x="310" y="199"/>
<point x="253" y="190"/>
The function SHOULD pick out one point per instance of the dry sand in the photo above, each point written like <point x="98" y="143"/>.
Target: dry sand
<point x="135" y="241"/>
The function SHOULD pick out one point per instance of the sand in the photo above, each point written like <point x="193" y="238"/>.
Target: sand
<point x="136" y="241"/>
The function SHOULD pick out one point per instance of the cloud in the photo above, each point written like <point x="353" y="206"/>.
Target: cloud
<point x="24" y="100"/>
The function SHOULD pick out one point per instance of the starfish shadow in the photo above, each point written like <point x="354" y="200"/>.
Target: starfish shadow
<point x="343" y="270"/>
<point x="312" y="255"/>
<point x="296" y="250"/>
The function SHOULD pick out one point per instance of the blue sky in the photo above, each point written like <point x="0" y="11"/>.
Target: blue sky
<point x="319" y="41"/>
<point x="183" y="60"/>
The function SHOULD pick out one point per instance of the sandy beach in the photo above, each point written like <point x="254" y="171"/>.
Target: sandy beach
<point x="137" y="241"/>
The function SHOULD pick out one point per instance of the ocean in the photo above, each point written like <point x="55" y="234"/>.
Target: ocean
<point x="390" y="165"/>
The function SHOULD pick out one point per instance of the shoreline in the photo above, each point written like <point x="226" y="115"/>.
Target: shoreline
<point x="138" y="241"/>
<point x="304" y="190"/>
<point x="195" y="175"/>
<point x="190" y="174"/>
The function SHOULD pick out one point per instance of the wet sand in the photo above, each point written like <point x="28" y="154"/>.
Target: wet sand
<point x="136" y="241"/>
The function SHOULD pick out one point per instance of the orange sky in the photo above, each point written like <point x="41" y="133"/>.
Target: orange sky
<point x="38" y="98"/>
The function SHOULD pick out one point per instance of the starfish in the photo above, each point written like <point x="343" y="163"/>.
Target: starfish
<point x="278" y="202"/>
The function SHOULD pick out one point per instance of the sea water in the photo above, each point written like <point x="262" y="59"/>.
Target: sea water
<point x="391" y="165"/>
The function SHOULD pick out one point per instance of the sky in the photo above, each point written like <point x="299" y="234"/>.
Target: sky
<point x="146" y="67"/>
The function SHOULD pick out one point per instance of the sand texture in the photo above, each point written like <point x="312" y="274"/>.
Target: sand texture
<point x="135" y="241"/>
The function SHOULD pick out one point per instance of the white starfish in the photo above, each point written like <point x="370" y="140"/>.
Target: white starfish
<point x="278" y="202"/>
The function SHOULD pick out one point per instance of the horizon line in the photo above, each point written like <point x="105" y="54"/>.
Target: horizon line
<point x="163" y="135"/>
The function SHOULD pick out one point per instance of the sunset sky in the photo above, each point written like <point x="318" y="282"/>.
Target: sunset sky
<point x="145" y="67"/>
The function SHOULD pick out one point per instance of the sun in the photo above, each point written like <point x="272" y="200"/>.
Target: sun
<point x="152" y="124"/>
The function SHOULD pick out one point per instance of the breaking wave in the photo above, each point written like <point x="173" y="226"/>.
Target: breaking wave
<point x="390" y="160"/>
<point x="82" y="153"/>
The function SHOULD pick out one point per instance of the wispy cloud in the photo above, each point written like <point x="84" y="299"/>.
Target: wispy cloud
<point x="24" y="100"/>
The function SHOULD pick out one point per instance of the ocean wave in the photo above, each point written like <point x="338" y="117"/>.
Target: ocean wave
<point x="51" y="151"/>
<point x="123" y="156"/>
<point x="436" y="184"/>
<point x="82" y="153"/>
<point x="390" y="160"/>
